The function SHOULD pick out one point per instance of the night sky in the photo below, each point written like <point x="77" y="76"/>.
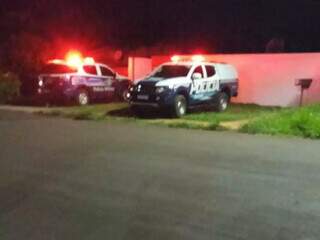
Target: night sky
<point x="187" y="25"/>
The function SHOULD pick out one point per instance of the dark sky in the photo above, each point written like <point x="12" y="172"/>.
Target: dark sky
<point x="216" y="26"/>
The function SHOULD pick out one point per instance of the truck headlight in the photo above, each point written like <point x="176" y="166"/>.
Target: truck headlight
<point x="40" y="83"/>
<point x="160" y="90"/>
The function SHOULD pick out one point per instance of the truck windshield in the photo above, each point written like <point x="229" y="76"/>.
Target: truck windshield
<point x="171" y="71"/>
<point x="52" y="68"/>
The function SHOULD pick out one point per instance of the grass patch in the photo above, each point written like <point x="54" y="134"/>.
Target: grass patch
<point x="51" y="113"/>
<point x="92" y="112"/>
<point x="235" y="112"/>
<point x="188" y="124"/>
<point x="302" y="122"/>
<point x="199" y="119"/>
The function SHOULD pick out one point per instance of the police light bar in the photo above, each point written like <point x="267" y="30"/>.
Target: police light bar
<point x="56" y="61"/>
<point x="194" y="58"/>
<point x="88" y="60"/>
<point x="198" y="58"/>
<point x="175" y="58"/>
<point x="74" y="58"/>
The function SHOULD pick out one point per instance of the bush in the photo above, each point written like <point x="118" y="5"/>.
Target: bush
<point x="9" y="87"/>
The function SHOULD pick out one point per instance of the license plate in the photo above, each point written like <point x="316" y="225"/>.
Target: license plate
<point x="142" y="97"/>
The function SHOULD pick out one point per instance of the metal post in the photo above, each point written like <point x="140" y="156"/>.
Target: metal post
<point x="304" y="84"/>
<point x="301" y="97"/>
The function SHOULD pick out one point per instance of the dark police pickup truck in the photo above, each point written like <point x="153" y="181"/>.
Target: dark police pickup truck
<point x="177" y="86"/>
<point x="82" y="84"/>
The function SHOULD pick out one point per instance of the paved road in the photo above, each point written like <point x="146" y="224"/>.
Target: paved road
<point x="62" y="179"/>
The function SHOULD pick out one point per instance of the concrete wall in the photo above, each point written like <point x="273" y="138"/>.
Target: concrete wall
<point x="121" y="70"/>
<point x="269" y="79"/>
<point x="139" y="67"/>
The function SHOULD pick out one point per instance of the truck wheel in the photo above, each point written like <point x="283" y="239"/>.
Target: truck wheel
<point x="83" y="98"/>
<point x="180" y="106"/>
<point x="122" y="94"/>
<point x="125" y="94"/>
<point x="222" y="102"/>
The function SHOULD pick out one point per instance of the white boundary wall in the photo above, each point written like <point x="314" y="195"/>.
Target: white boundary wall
<point x="138" y="67"/>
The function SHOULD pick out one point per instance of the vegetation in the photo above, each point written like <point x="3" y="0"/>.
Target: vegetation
<point x="303" y="122"/>
<point x="9" y="87"/>
<point x="235" y="112"/>
<point x="120" y="111"/>
<point x="201" y="119"/>
<point x="91" y="112"/>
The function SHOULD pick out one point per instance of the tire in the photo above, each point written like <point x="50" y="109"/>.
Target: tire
<point x="122" y="94"/>
<point x="125" y="94"/>
<point x="82" y="97"/>
<point x="180" y="106"/>
<point x="222" y="102"/>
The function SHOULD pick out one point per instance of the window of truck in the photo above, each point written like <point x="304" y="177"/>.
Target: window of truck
<point x="52" y="68"/>
<point x="171" y="71"/>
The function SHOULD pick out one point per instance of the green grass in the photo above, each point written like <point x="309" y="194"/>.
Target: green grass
<point x="188" y="124"/>
<point x="302" y="122"/>
<point x="235" y="112"/>
<point x="200" y="119"/>
<point x="101" y="111"/>
<point x="91" y="112"/>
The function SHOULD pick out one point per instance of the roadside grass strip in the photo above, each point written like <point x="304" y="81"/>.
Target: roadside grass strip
<point x="188" y="124"/>
<point x="301" y="122"/>
<point x="246" y="118"/>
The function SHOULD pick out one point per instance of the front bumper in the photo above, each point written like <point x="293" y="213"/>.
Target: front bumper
<point x="145" y="104"/>
<point x="163" y="100"/>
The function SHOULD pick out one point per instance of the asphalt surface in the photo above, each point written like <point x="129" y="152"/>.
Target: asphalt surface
<point x="64" y="179"/>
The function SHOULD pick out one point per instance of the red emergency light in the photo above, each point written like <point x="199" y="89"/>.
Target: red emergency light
<point x="194" y="58"/>
<point x="56" y="61"/>
<point x="198" y="58"/>
<point x="73" y="59"/>
<point x="88" y="60"/>
<point x="175" y="58"/>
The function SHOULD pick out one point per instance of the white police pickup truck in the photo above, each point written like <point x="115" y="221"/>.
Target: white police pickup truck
<point x="82" y="83"/>
<point x="177" y="86"/>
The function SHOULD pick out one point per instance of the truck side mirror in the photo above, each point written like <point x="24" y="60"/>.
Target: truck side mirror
<point x="196" y="76"/>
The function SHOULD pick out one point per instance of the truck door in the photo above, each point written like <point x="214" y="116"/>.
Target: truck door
<point x="211" y="81"/>
<point x="109" y="81"/>
<point x="197" y="93"/>
<point x="93" y="80"/>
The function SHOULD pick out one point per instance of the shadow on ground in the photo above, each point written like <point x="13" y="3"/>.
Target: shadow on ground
<point x="152" y="113"/>
<point x="128" y="113"/>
